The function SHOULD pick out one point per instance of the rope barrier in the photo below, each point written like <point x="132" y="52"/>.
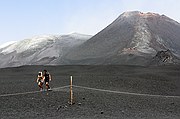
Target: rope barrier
<point x="95" y="89"/>
<point x="14" y="94"/>
<point x="126" y="93"/>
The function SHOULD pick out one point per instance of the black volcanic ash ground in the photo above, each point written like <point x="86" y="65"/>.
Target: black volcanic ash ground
<point x="92" y="104"/>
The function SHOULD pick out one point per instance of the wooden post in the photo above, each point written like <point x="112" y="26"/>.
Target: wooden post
<point x="71" y="92"/>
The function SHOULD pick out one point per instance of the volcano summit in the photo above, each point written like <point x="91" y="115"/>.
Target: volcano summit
<point x="134" y="38"/>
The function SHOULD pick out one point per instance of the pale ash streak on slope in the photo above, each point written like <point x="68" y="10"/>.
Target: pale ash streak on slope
<point x="39" y="42"/>
<point x="142" y="38"/>
<point x="7" y="44"/>
<point x="27" y="44"/>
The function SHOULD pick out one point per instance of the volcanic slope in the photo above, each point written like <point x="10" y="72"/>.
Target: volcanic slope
<point x="134" y="38"/>
<point x="39" y="50"/>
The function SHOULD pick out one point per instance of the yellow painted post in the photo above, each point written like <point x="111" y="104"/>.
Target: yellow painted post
<point x="71" y="91"/>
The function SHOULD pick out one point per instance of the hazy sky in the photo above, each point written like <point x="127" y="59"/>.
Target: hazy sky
<point x="20" y="19"/>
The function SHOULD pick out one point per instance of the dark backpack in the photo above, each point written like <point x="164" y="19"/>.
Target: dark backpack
<point x="46" y="76"/>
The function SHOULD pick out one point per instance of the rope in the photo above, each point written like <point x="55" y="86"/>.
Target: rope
<point x="14" y="94"/>
<point x="126" y="93"/>
<point x="95" y="89"/>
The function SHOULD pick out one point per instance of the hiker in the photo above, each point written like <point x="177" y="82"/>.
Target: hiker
<point x="40" y="80"/>
<point x="47" y="78"/>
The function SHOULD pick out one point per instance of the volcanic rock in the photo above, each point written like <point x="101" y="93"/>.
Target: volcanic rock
<point x="164" y="58"/>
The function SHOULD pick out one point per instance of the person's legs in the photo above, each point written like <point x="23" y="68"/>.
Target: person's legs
<point x="47" y="85"/>
<point x="40" y="85"/>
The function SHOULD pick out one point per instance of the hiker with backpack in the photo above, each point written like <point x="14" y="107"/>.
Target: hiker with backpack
<point x="47" y="78"/>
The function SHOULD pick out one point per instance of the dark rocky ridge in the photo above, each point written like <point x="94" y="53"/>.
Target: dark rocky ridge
<point x="164" y="58"/>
